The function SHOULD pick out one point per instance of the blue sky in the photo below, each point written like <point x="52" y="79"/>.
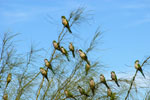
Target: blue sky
<point x="125" y="25"/>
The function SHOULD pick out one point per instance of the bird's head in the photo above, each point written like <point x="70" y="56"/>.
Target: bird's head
<point x="91" y="78"/>
<point x="45" y="60"/>
<point x="102" y="75"/>
<point x="9" y="74"/>
<point x="5" y="97"/>
<point x="62" y="47"/>
<point x="54" y="41"/>
<point x="70" y="43"/>
<point x="79" y="87"/>
<point x="66" y="91"/>
<point x="108" y="90"/>
<point x="80" y="50"/>
<point x="63" y="17"/>
<point x="41" y="68"/>
<point x="137" y="61"/>
<point x="112" y="72"/>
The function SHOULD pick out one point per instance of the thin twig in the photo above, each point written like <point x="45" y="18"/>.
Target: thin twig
<point x="40" y="89"/>
<point x="49" y="84"/>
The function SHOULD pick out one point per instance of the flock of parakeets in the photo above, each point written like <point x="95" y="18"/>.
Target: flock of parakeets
<point x="87" y="67"/>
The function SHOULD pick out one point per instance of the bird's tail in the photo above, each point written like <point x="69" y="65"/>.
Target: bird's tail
<point x="67" y="57"/>
<point x="106" y="85"/>
<point x="86" y="73"/>
<point x="6" y="85"/>
<point x="117" y="83"/>
<point x="142" y="73"/>
<point x="73" y="54"/>
<point x="93" y="92"/>
<point x="53" y="71"/>
<point x="58" y="48"/>
<point x="86" y="95"/>
<point x="88" y="61"/>
<point x="47" y="78"/>
<point x="69" y="29"/>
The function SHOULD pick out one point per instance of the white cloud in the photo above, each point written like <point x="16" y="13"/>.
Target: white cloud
<point x="135" y="6"/>
<point x="20" y="13"/>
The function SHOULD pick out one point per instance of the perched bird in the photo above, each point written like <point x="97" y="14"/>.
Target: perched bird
<point x="5" y="96"/>
<point x="44" y="73"/>
<point x="87" y="67"/>
<point x="109" y="92"/>
<point x="102" y="80"/>
<point x="82" y="91"/>
<point x="64" y="51"/>
<point x="92" y="85"/>
<point x="71" y="47"/>
<point x="66" y="23"/>
<point x="138" y="67"/>
<point x="56" y="45"/>
<point x="114" y="77"/>
<point x="8" y="79"/>
<point x="47" y="64"/>
<point x="69" y="94"/>
<point x="83" y="56"/>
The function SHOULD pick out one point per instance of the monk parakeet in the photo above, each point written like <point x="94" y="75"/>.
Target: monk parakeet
<point x="47" y="64"/>
<point x="8" y="79"/>
<point x="83" y="56"/>
<point x="5" y="96"/>
<point x="66" y="23"/>
<point x="69" y="94"/>
<point x="87" y="67"/>
<point x="138" y="67"/>
<point x="56" y="45"/>
<point x="71" y="47"/>
<point x="102" y="80"/>
<point x="82" y="91"/>
<point x="109" y="92"/>
<point x="44" y="73"/>
<point x="64" y="51"/>
<point x="114" y="77"/>
<point x="92" y="85"/>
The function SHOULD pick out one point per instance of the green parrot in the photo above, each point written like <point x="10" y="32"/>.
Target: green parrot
<point x="111" y="95"/>
<point x="8" y="79"/>
<point x="138" y="67"/>
<point x="83" y="56"/>
<point x="114" y="77"/>
<point x="44" y="73"/>
<point x="87" y="67"/>
<point x="71" y="47"/>
<point x="56" y="45"/>
<point x="69" y="94"/>
<point x="92" y="85"/>
<point x="66" y="23"/>
<point x="47" y="64"/>
<point x="109" y="92"/>
<point x="82" y="91"/>
<point x="64" y="51"/>
<point x="5" y="96"/>
<point x="102" y="80"/>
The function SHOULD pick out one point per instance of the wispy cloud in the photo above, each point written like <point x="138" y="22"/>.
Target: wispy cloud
<point x="21" y="13"/>
<point x="137" y="22"/>
<point x="134" y="6"/>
